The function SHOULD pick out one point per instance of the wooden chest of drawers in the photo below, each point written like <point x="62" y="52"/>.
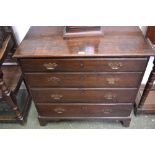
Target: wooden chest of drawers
<point x="84" y="78"/>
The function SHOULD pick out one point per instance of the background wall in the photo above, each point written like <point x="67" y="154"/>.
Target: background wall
<point x="143" y="28"/>
<point x="20" y="32"/>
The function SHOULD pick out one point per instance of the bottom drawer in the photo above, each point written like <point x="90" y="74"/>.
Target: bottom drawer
<point x="84" y="110"/>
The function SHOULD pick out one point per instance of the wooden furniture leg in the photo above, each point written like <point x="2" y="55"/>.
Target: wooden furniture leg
<point x="10" y="98"/>
<point x="42" y="122"/>
<point x="148" y="86"/>
<point x="126" y="123"/>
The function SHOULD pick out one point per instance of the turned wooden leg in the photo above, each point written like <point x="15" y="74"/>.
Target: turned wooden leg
<point x="42" y="123"/>
<point x="126" y="123"/>
<point x="10" y="97"/>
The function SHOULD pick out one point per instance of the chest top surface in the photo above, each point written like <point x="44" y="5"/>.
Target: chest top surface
<point x="117" y="41"/>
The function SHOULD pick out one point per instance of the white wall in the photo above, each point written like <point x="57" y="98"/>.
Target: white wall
<point x="20" y="32"/>
<point x="148" y="70"/>
<point x="143" y="29"/>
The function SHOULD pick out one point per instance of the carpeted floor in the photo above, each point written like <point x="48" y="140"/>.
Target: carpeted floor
<point x="139" y="122"/>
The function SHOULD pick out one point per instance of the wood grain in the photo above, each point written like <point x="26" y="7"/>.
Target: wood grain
<point x="84" y="110"/>
<point x="84" y="80"/>
<point x="91" y="95"/>
<point x="85" y="65"/>
<point x="117" y="42"/>
<point x="79" y="78"/>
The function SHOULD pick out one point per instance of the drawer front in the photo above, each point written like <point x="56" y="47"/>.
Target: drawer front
<point x="88" y="80"/>
<point x="84" y="110"/>
<point x="84" y="95"/>
<point x="84" y="65"/>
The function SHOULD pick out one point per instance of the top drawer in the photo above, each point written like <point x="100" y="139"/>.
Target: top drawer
<point x="84" y="65"/>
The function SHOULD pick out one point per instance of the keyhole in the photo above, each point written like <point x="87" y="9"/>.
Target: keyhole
<point x="81" y="65"/>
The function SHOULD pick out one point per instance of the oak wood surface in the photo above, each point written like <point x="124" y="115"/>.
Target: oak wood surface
<point x="84" y="110"/>
<point x="85" y="65"/>
<point x="149" y="105"/>
<point x="3" y="50"/>
<point x="10" y="81"/>
<point x="148" y="86"/>
<point x="63" y="73"/>
<point x="87" y="95"/>
<point x="12" y="76"/>
<point x="82" y="80"/>
<point x="117" y="41"/>
<point x="150" y="34"/>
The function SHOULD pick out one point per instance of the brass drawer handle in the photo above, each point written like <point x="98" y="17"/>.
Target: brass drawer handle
<point x="50" y="66"/>
<point x="59" y="110"/>
<point x="109" y="96"/>
<point x="115" y="65"/>
<point x="56" y="96"/>
<point x="54" y="79"/>
<point x="106" y="111"/>
<point x="112" y="81"/>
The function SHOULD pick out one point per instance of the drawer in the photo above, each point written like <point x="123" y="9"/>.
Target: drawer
<point x="84" y="65"/>
<point x="84" y="110"/>
<point x="88" y="80"/>
<point x="90" y="95"/>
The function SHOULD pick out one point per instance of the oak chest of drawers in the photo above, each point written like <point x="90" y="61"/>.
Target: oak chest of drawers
<point x="84" y="78"/>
